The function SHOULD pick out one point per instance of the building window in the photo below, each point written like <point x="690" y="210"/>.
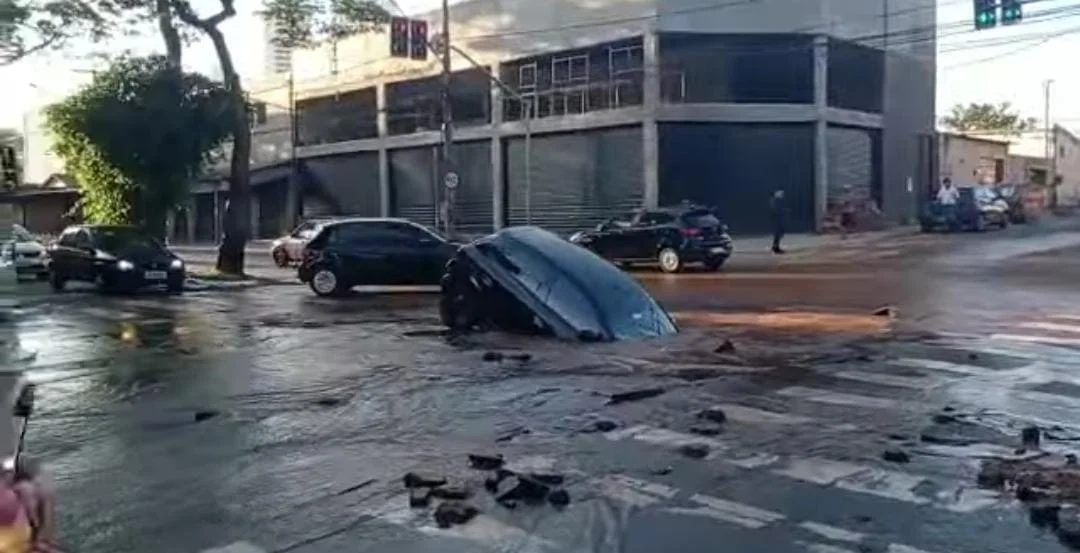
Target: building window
<point x="527" y="77"/>
<point x="569" y="70"/>
<point x="625" y="72"/>
<point x="625" y="59"/>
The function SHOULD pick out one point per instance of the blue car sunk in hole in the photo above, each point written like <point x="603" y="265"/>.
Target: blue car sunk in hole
<point x="528" y="280"/>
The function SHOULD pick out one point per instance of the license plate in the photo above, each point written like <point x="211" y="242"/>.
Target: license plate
<point x="154" y="275"/>
<point x="718" y="249"/>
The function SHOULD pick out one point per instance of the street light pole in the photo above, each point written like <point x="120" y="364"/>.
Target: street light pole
<point x="292" y="199"/>
<point x="447" y="121"/>
<point x="1051" y="176"/>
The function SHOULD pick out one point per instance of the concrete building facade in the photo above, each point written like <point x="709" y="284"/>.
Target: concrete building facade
<point x="638" y="103"/>
<point x="968" y="160"/>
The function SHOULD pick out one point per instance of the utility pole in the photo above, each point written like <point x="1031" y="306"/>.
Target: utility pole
<point x="447" y="123"/>
<point x="1048" y="149"/>
<point x="292" y="198"/>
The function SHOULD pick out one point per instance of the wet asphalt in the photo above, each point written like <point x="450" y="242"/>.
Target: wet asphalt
<point x="270" y="417"/>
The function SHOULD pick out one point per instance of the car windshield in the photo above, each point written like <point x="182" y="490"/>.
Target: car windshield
<point x="118" y="238"/>
<point x="701" y="219"/>
<point x="588" y="292"/>
<point x="21" y="234"/>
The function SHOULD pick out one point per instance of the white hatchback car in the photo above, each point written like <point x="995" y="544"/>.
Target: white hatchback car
<point x="30" y="255"/>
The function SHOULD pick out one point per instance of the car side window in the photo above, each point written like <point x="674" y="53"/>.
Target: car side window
<point x="409" y="233"/>
<point x="304" y="231"/>
<point x="68" y="238"/>
<point x="82" y="240"/>
<point x="654" y="218"/>
<point x="353" y="234"/>
<point x="625" y="220"/>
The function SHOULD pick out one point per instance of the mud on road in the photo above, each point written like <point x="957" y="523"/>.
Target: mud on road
<point x="271" y="417"/>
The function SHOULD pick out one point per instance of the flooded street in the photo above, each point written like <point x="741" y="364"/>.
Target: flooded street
<point x="269" y="417"/>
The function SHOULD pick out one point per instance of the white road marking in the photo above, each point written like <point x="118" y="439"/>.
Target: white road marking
<point x="238" y="547"/>
<point x="966" y="499"/>
<point x="819" y="471"/>
<point x="936" y="365"/>
<point x="848" y="400"/>
<point x="729" y="511"/>
<point x="635" y="492"/>
<point x="912" y="382"/>
<point x="901" y="548"/>
<point x="753" y="461"/>
<point x="1054" y="340"/>
<point x="495" y="534"/>
<point x="814" y="547"/>
<point x="885" y="483"/>
<point x="832" y="532"/>
<point x="741" y="413"/>
<point x="670" y="438"/>
<point x="1052" y="327"/>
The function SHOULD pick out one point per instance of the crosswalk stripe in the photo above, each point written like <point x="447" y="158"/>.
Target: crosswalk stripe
<point x="937" y="365"/>
<point x="1052" y="327"/>
<point x="912" y="382"/>
<point x="832" y="532"/>
<point x="741" y="413"/>
<point x="1054" y="340"/>
<point x="237" y="547"/>
<point x="826" y="548"/>
<point x="845" y="399"/>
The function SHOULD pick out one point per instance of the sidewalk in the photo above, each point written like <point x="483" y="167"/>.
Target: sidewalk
<point x="800" y="245"/>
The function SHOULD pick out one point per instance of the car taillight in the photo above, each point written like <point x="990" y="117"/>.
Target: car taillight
<point x="690" y="231"/>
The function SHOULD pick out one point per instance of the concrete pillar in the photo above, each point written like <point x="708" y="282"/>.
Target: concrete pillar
<point x="191" y="219"/>
<point x="498" y="177"/>
<point x="384" y="155"/>
<point x="253" y="216"/>
<point x="650" y="154"/>
<point x="821" y="128"/>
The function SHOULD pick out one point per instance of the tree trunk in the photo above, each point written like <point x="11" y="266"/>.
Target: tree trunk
<point x="173" y="46"/>
<point x="231" y="253"/>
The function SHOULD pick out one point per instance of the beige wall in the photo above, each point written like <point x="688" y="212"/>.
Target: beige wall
<point x="968" y="161"/>
<point x="1067" y="166"/>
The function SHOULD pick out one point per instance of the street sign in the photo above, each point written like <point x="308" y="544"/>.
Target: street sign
<point x="451" y="180"/>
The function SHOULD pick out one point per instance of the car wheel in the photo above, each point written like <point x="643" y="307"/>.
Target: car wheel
<point x="980" y="223"/>
<point x="669" y="260"/>
<point x="458" y="308"/>
<point x="56" y="282"/>
<point x="714" y="263"/>
<point x="281" y="259"/>
<point x="325" y="282"/>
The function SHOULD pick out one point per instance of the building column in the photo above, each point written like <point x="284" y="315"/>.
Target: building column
<point x="821" y="130"/>
<point x="384" y="155"/>
<point x="253" y="216"/>
<point x="498" y="176"/>
<point x="650" y="140"/>
<point x="191" y="219"/>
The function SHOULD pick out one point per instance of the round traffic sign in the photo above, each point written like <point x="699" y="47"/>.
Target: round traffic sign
<point x="451" y="180"/>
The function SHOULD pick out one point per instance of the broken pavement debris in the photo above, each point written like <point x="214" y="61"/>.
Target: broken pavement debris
<point x="480" y="461"/>
<point x="1030" y="436"/>
<point x="205" y="414"/>
<point x="600" y="426"/>
<point x="492" y="356"/>
<point x="450" y="513"/>
<point x="520" y="357"/>
<point x="450" y="492"/>
<point x="419" y="497"/>
<point x="727" y="346"/>
<point x="634" y="395"/>
<point x="414" y="480"/>
<point x="896" y="456"/>
<point x="694" y="451"/>
<point x="702" y="430"/>
<point x="559" y="498"/>
<point x="713" y="414"/>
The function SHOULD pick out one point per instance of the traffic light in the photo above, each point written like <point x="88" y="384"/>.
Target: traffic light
<point x="985" y="14"/>
<point x="1011" y="12"/>
<point x="9" y="167"/>
<point x="418" y="40"/>
<point x="399" y="37"/>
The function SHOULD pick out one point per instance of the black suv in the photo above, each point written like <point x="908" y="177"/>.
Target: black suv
<point x="352" y="252"/>
<point x="669" y="236"/>
<point x="115" y="258"/>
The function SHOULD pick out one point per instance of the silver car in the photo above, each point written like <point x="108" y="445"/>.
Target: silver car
<point x="30" y="256"/>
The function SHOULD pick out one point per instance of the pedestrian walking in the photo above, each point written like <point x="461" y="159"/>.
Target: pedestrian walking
<point x="947" y="196"/>
<point x="778" y="215"/>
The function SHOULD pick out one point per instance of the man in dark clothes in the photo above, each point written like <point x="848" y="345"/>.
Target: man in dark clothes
<point x="778" y="214"/>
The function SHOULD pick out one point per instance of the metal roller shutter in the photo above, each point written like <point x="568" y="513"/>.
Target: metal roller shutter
<point x="348" y="183"/>
<point x="472" y="209"/>
<point x="578" y="179"/>
<point x="850" y="162"/>
<point x="412" y="184"/>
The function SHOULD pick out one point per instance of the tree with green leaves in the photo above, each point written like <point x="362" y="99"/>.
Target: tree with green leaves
<point x="998" y="119"/>
<point x="137" y="135"/>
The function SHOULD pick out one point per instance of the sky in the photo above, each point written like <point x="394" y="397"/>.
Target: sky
<point x="1004" y="64"/>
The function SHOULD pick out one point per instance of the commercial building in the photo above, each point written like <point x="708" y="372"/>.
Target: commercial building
<point x="635" y="104"/>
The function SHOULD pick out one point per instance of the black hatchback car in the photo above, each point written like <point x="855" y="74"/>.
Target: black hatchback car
<point x="671" y="237"/>
<point x="116" y="258"/>
<point x="353" y="252"/>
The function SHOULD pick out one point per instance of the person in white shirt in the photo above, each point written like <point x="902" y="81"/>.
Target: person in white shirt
<point x="947" y="194"/>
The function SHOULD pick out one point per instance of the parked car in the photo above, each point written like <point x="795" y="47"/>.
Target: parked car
<point x="528" y="280"/>
<point x="671" y="237"/>
<point x="290" y="248"/>
<point x="357" y="251"/>
<point x="1014" y="197"/>
<point x="116" y="258"/>
<point x="29" y="254"/>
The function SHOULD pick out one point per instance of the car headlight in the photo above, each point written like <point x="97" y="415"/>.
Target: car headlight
<point x="176" y="264"/>
<point x="125" y="265"/>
